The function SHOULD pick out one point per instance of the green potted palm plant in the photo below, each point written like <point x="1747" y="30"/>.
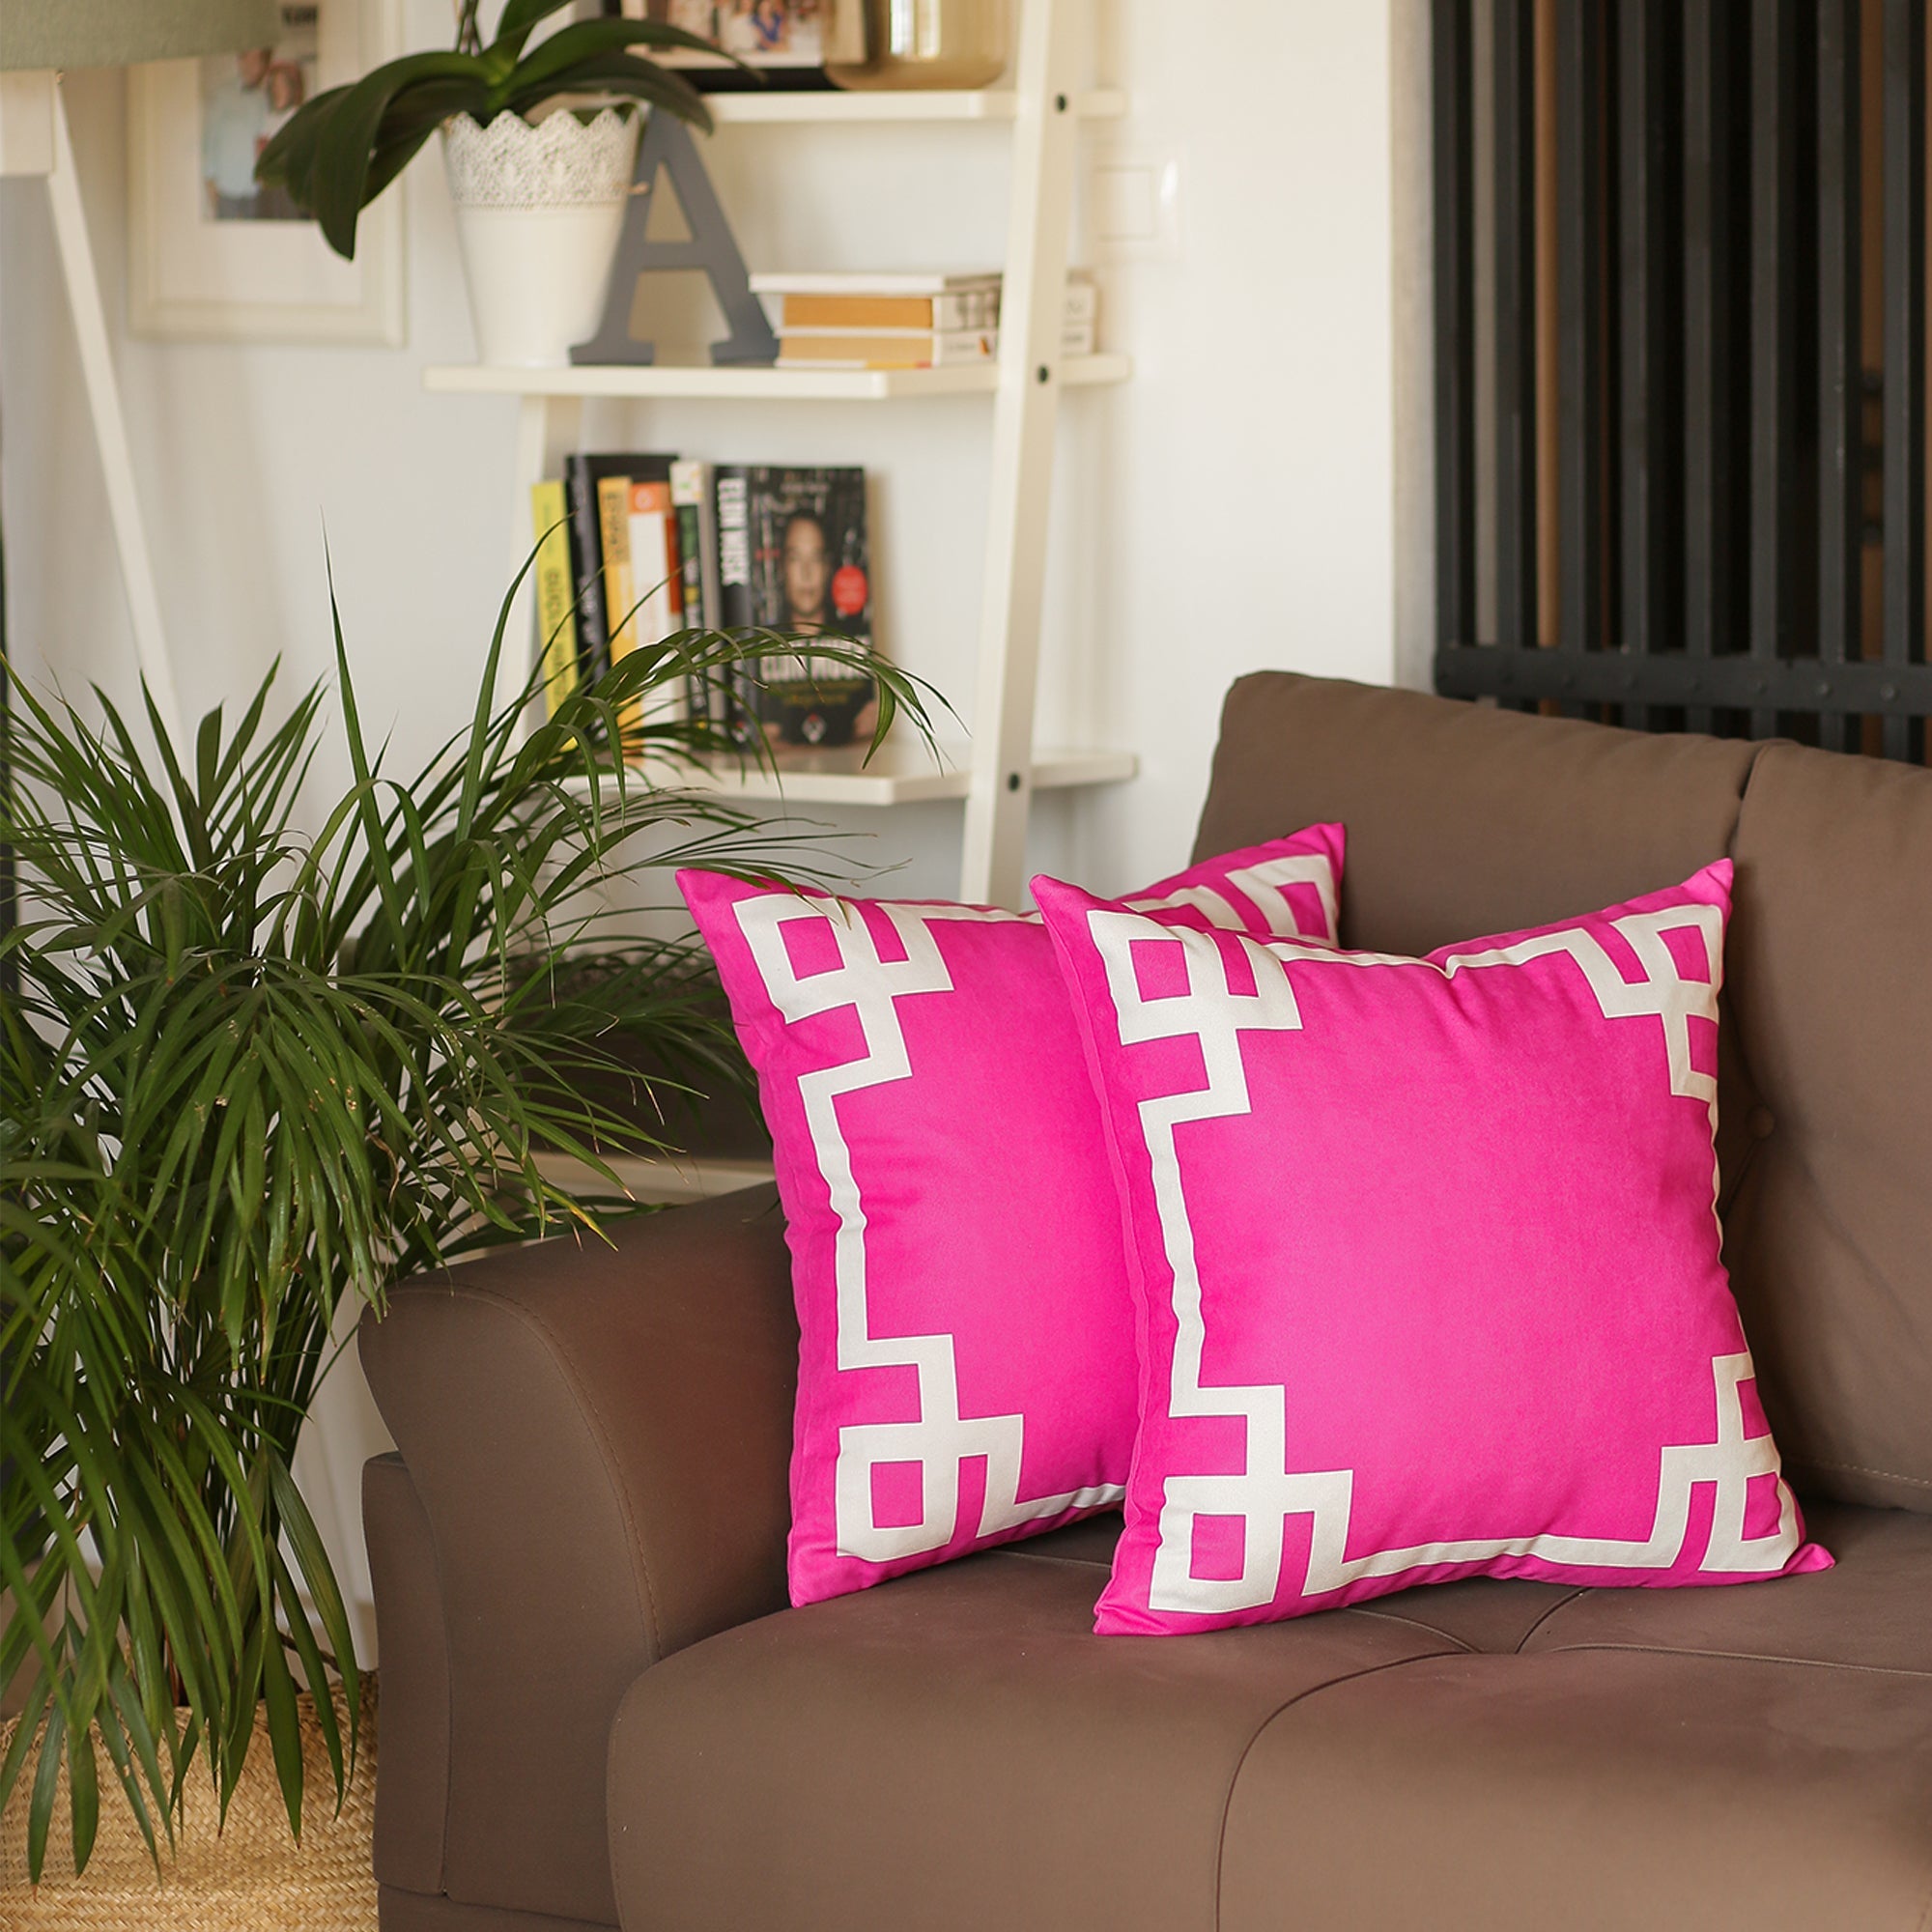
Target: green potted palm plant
<point x="539" y="140"/>
<point x="255" y="1066"/>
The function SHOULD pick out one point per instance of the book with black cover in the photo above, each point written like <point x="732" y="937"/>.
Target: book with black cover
<point x="792" y="556"/>
<point x="582" y="474"/>
<point x="698" y="558"/>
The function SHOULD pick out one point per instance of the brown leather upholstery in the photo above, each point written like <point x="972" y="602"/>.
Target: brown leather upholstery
<point x="903" y="1757"/>
<point x="1830" y="1240"/>
<point x="1461" y="820"/>
<point x="1751" y="1757"/>
<point x="412" y="1771"/>
<point x="400" y="1911"/>
<point x="599" y="1438"/>
<point x="957" y="1750"/>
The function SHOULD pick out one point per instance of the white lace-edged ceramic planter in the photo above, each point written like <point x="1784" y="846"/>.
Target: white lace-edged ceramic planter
<point x="539" y="207"/>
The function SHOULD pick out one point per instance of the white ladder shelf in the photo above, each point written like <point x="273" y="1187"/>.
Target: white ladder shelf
<point x="998" y="774"/>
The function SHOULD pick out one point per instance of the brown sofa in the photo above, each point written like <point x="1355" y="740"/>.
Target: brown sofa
<point x="596" y="1709"/>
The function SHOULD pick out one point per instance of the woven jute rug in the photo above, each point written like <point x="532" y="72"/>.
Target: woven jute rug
<point x="248" y="1876"/>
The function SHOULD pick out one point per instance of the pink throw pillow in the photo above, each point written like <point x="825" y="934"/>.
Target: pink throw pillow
<point x="1425" y="1260"/>
<point x="966" y="1365"/>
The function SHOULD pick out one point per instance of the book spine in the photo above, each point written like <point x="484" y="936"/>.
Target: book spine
<point x="658" y="583"/>
<point x="614" y="530"/>
<point x="731" y="494"/>
<point x="587" y="551"/>
<point x="889" y="351"/>
<point x="691" y="565"/>
<point x="968" y="308"/>
<point x="955" y="309"/>
<point x="688" y="494"/>
<point x="1083" y="303"/>
<point x="556" y="595"/>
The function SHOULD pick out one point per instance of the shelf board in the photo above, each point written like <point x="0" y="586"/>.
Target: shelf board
<point x="760" y="383"/>
<point x="899" y="774"/>
<point x="867" y="106"/>
<point x="676" y="1178"/>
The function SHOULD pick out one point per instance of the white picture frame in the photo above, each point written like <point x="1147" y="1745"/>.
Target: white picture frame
<point x="192" y="277"/>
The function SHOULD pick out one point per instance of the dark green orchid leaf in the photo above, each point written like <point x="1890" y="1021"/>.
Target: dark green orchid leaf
<point x="519" y="17"/>
<point x="347" y="144"/>
<point x="620" y="73"/>
<point x="556" y="64"/>
<point x="290" y="154"/>
<point x="345" y="147"/>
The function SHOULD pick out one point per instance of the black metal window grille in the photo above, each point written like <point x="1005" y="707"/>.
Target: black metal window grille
<point x="1680" y="363"/>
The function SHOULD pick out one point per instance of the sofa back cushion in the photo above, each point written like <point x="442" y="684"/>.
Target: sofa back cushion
<point x="1830" y="1229"/>
<point x="1463" y="820"/>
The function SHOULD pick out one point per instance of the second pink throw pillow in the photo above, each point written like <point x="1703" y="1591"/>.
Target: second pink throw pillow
<point x="1426" y="1253"/>
<point x="966" y="1357"/>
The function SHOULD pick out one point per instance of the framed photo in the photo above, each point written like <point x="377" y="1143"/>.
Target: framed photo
<point x="783" y="39"/>
<point x="212" y="257"/>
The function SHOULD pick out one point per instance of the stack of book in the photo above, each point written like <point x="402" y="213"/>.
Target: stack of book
<point x="635" y="548"/>
<point x="903" y="321"/>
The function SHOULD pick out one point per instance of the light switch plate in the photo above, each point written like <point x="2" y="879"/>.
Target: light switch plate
<point x="1132" y="210"/>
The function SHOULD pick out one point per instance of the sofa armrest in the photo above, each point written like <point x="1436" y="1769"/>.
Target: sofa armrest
<point x="599" y="1436"/>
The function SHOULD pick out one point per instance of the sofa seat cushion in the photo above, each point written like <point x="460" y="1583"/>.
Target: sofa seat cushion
<point x="1644" y="1762"/>
<point x="957" y="1749"/>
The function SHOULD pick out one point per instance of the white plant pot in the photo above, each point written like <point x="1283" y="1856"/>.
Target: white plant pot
<point x="539" y="207"/>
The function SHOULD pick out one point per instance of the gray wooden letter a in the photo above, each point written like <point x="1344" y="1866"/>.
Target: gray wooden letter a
<point x="668" y="145"/>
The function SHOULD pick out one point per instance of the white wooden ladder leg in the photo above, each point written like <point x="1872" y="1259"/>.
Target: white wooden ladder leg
<point x="110" y="429"/>
<point x="1025" y="413"/>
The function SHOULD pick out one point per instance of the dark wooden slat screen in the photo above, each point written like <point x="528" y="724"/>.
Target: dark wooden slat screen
<point x="1904" y="445"/>
<point x="1710" y="483"/>
<point x="1453" y="212"/>
<point x="1720" y="560"/>
<point x="1840" y="388"/>
<point x="1773" y="456"/>
<point x="1513" y="139"/>
<point x="1644" y="404"/>
<point x="1579" y="294"/>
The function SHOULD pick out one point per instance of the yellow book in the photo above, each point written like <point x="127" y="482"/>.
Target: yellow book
<point x="866" y="312"/>
<point x="826" y="348"/>
<point x="555" y="594"/>
<point x="613" y="524"/>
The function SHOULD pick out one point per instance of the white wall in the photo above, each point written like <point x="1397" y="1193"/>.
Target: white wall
<point x="1233" y="507"/>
